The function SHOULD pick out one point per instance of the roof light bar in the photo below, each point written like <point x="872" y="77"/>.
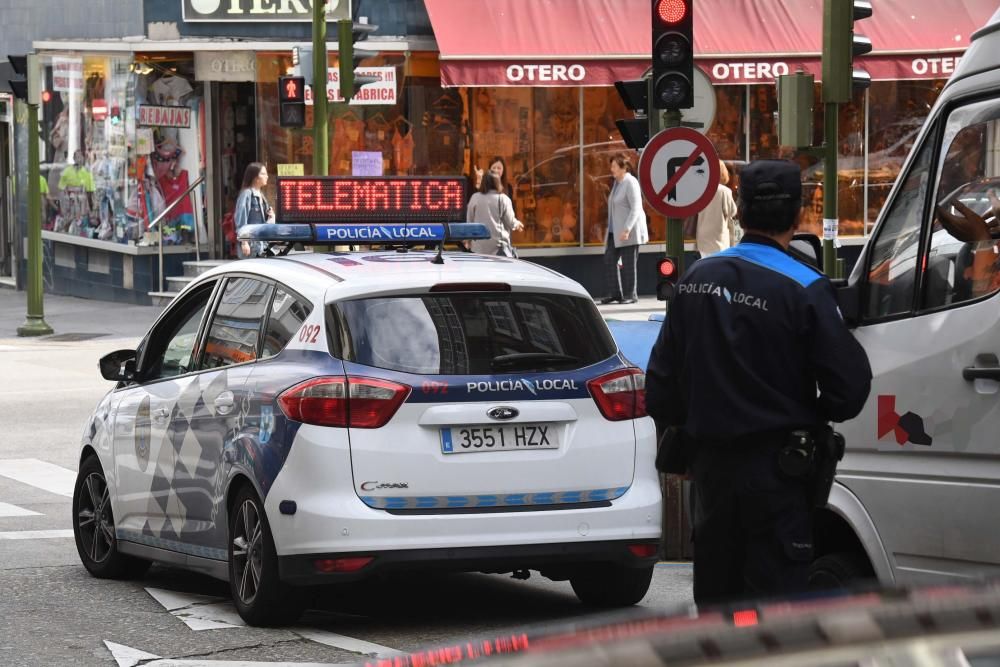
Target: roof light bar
<point x="364" y="234"/>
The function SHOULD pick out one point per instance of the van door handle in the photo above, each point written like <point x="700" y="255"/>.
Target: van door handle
<point x="224" y="403"/>
<point x="987" y="368"/>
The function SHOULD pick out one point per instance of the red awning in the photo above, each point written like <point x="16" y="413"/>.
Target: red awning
<point x="596" y="42"/>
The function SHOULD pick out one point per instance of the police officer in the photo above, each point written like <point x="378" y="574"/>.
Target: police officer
<point x="754" y="348"/>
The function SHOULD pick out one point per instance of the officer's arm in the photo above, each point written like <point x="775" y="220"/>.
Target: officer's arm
<point x="663" y="400"/>
<point x="838" y="360"/>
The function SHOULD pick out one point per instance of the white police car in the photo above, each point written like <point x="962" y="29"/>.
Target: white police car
<point x="318" y="418"/>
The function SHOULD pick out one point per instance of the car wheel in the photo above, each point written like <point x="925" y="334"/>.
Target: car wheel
<point x="610" y="585"/>
<point x="260" y="598"/>
<point x="94" y="526"/>
<point x="839" y="570"/>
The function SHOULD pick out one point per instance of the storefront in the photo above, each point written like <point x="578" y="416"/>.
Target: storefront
<point x="179" y="113"/>
<point x="541" y="96"/>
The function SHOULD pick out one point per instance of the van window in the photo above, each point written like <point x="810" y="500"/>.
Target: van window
<point x="235" y="329"/>
<point x="964" y="248"/>
<point x="473" y="334"/>
<point x="892" y="261"/>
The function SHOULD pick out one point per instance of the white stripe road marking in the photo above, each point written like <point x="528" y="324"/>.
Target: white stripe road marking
<point x="6" y="509"/>
<point x="126" y="656"/>
<point x="35" y="534"/>
<point x="205" y="612"/>
<point x="40" y="474"/>
<point x="347" y="643"/>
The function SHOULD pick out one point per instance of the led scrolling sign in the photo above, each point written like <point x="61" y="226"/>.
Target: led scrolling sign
<point x="361" y="200"/>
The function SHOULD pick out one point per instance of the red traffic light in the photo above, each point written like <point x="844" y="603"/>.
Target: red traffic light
<point x="672" y="11"/>
<point x="667" y="267"/>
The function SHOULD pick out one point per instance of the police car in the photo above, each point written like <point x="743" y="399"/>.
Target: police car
<point x="309" y="419"/>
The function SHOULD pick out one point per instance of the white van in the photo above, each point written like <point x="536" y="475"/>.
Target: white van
<point x="917" y="496"/>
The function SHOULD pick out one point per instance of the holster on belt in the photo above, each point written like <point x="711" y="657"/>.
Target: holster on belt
<point x="829" y="449"/>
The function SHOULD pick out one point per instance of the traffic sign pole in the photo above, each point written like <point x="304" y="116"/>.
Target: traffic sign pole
<point x="321" y="144"/>
<point x="675" y="226"/>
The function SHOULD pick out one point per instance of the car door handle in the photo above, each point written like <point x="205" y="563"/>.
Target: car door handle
<point x="224" y="403"/>
<point x="160" y="415"/>
<point x="987" y="368"/>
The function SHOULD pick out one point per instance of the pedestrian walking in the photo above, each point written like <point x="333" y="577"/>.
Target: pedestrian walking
<point x="493" y="208"/>
<point x="252" y="207"/>
<point x="751" y="364"/>
<point x="716" y="222"/>
<point x="626" y="232"/>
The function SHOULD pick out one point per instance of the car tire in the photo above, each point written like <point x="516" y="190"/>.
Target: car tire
<point x="258" y="594"/>
<point x="842" y="569"/>
<point x="94" y="527"/>
<point x="611" y="585"/>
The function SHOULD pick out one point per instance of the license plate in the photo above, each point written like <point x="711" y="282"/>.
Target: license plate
<point x="461" y="439"/>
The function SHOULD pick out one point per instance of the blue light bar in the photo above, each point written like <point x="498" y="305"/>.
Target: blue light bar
<point x="364" y="234"/>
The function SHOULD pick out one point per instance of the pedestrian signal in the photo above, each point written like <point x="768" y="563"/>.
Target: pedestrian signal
<point x="666" y="278"/>
<point x="292" y="96"/>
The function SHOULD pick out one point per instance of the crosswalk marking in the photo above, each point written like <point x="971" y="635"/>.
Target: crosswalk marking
<point x="126" y="656"/>
<point x="6" y="509"/>
<point x="39" y="474"/>
<point x="35" y="534"/>
<point x="347" y="643"/>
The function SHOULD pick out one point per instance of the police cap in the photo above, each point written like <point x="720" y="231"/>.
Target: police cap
<point x="766" y="180"/>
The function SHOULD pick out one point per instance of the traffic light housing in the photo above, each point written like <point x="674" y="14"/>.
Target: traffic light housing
<point x="292" y="98"/>
<point x="841" y="45"/>
<point x="673" y="54"/>
<point x="19" y="84"/>
<point x="350" y="56"/>
<point x="666" y="278"/>
<point x="635" y="95"/>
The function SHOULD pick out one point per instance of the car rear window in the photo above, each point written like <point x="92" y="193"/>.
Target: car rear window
<point x="472" y="334"/>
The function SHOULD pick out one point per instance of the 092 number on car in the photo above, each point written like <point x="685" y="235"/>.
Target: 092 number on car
<point x="464" y="439"/>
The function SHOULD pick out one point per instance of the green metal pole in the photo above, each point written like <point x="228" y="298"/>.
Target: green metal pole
<point x="35" y="324"/>
<point x="321" y="143"/>
<point x="830" y="189"/>
<point x="675" y="226"/>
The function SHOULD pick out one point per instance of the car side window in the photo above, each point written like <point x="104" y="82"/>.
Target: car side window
<point x="288" y="312"/>
<point x="963" y="254"/>
<point x="892" y="259"/>
<point x="172" y="345"/>
<point x="234" y="333"/>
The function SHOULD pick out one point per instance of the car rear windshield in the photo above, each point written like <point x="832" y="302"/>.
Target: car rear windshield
<point x="471" y="333"/>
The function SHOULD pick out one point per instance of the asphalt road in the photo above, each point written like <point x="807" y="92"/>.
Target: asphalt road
<point x="53" y="613"/>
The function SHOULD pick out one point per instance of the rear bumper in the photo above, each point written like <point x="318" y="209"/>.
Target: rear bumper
<point x="558" y="558"/>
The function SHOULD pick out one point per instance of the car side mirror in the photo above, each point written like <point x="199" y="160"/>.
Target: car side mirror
<point x="118" y="366"/>
<point x="807" y="248"/>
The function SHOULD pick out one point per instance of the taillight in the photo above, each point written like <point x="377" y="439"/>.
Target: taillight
<point x="620" y="394"/>
<point x="354" y="402"/>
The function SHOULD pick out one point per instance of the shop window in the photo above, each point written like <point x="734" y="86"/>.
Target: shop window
<point x="121" y="142"/>
<point x="425" y="132"/>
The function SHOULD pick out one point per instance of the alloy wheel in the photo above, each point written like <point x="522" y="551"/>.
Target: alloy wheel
<point x="94" y="519"/>
<point x="248" y="548"/>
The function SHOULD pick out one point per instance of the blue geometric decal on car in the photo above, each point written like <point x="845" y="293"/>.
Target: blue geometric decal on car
<point x="508" y="500"/>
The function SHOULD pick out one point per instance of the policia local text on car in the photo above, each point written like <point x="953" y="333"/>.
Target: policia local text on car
<point x="752" y="363"/>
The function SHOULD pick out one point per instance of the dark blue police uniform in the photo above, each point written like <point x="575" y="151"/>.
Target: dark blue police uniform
<point x="753" y="347"/>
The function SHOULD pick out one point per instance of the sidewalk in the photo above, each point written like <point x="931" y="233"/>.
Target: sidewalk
<point x="69" y="315"/>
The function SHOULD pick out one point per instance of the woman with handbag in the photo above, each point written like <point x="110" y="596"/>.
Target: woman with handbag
<point x="252" y="208"/>
<point x="491" y="207"/>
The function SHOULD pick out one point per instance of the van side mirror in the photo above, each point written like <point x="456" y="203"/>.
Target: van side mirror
<point x="849" y="301"/>
<point x="807" y="248"/>
<point x="118" y="366"/>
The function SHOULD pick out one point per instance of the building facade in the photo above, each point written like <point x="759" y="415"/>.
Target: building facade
<point x="178" y="112"/>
